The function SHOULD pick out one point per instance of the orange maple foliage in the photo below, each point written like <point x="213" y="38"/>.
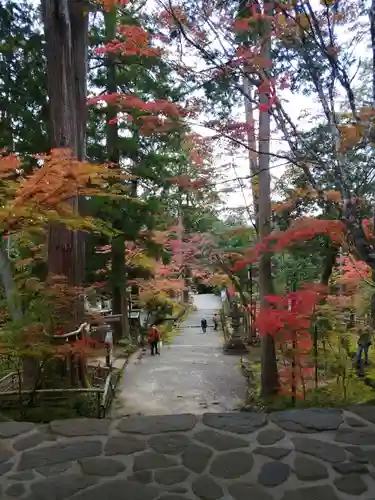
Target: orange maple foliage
<point x="44" y="195"/>
<point x="110" y="4"/>
<point x="130" y="41"/>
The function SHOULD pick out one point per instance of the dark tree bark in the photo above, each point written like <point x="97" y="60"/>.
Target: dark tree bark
<point x="66" y="29"/>
<point x="118" y="271"/>
<point x="372" y="32"/>
<point x="269" y="370"/>
<point x="66" y="33"/>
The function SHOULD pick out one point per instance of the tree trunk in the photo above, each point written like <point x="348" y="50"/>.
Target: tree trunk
<point x="118" y="243"/>
<point x="269" y="372"/>
<point x="118" y="284"/>
<point x="372" y="32"/>
<point x="253" y="167"/>
<point x="252" y="146"/>
<point x="66" y="29"/>
<point x="66" y="34"/>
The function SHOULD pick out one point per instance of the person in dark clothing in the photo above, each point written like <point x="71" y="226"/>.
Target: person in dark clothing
<point x="215" y="322"/>
<point x="204" y="325"/>
<point x="364" y="343"/>
<point x="154" y="339"/>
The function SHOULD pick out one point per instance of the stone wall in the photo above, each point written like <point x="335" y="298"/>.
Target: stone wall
<point x="315" y="454"/>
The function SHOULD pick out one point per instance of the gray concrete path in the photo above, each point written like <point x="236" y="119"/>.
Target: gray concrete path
<point x="192" y="375"/>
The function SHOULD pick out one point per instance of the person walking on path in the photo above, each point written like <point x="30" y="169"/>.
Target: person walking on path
<point x="204" y="325"/>
<point x="364" y="342"/>
<point x="154" y="338"/>
<point x="215" y="322"/>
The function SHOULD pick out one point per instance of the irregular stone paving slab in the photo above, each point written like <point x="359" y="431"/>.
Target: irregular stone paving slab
<point x="101" y="466"/>
<point x="170" y="444"/>
<point x="273" y="474"/>
<point x="354" y="422"/>
<point x="370" y="455"/>
<point x="270" y="436"/>
<point x="321" y="449"/>
<point x="365" y="412"/>
<point x="308" y="469"/>
<point x="351" y="436"/>
<point x="352" y="484"/>
<point x="313" y="493"/>
<point x="123" y="445"/>
<point x="232" y="465"/>
<point x="179" y="489"/>
<point x="206" y="488"/>
<point x="29" y="441"/>
<point x="309" y="420"/>
<point x="220" y="442"/>
<point x="172" y="497"/>
<point x="234" y="456"/>
<point x="151" y="460"/>
<point x="243" y="491"/>
<point x="356" y="454"/>
<point x="80" y="427"/>
<point x="118" y="490"/>
<point x="5" y="454"/>
<point x="142" y="476"/>
<point x="273" y="452"/>
<point x="196" y="458"/>
<point x="53" y="470"/>
<point x="22" y="476"/>
<point x="238" y="423"/>
<point x="5" y="467"/>
<point x="15" y="490"/>
<point x="59" y="487"/>
<point x="171" y="476"/>
<point x="350" y="468"/>
<point x="57" y="453"/>
<point x="158" y="424"/>
<point x="12" y="429"/>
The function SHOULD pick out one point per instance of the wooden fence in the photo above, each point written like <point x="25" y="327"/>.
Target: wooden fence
<point x="10" y="395"/>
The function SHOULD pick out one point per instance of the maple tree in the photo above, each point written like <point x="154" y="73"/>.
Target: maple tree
<point x="155" y="156"/>
<point x="307" y="35"/>
<point x="161" y="171"/>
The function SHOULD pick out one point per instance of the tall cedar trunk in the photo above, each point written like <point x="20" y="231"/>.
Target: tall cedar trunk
<point x="118" y="243"/>
<point x="269" y="372"/>
<point x="251" y="141"/>
<point x="66" y="34"/>
<point x="253" y="164"/>
<point x="66" y="28"/>
<point x="372" y="32"/>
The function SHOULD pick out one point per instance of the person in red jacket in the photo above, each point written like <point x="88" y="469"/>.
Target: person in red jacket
<point x="154" y="339"/>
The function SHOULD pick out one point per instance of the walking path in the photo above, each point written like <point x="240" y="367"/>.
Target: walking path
<point x="193" y="375"/>
<point x="296" y="455"/>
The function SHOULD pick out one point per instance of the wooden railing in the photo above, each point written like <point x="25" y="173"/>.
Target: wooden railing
<point x="9" y="382"/>
<point x="30" y="395"/>
<point x="10" y="392"/>
<point x="78" y="334"/>
<point x="108" y="393"/>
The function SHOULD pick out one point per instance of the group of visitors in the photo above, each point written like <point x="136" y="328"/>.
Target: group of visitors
<point x="364" y="339"/>
<point x="215" y="323"/>
<point x="154" y="335"/>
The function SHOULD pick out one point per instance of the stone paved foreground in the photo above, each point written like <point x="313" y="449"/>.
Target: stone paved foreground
<point x="317" y="454"/>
